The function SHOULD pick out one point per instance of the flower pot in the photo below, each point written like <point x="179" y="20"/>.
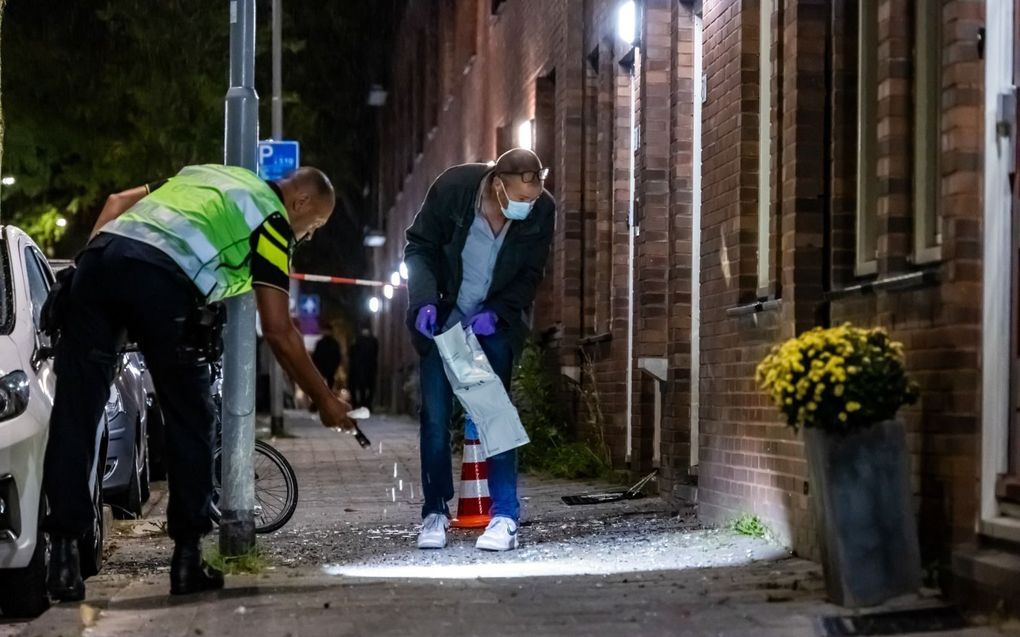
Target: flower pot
<point x="864" y="513"/>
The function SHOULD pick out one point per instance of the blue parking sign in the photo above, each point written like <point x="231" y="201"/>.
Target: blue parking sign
<point x="277" y="158"/>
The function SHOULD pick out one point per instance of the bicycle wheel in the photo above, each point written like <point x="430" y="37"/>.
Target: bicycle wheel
<point x="276" y="488"/>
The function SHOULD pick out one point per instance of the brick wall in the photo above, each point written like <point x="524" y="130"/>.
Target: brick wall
<point x="939" y="324"/>
<point x="750" y="462"/>
<point x="676" y="424"/>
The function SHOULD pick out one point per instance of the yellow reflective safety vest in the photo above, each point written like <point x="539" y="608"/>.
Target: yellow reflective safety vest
<point x="203" y="219"/>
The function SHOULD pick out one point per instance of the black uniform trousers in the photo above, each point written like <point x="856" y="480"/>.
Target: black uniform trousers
<point x="115" y="295"/>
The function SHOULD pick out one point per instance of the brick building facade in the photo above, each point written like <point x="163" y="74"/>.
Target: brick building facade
<point x="742" y="172"/>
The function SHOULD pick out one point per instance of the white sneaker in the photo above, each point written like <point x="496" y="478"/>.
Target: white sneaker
<point x="433" y="531"/>
<point x="500" y="535"/>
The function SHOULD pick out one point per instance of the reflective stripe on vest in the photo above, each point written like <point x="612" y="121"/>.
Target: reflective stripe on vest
<point x="203" y="219"/>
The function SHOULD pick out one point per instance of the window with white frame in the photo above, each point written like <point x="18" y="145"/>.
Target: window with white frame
<point x="764" y="144"/>
<point x="927" y="125"/>
<point x="866" y="260"/>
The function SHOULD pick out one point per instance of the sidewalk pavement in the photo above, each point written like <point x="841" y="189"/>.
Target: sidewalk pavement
<point x="346" y="565"/>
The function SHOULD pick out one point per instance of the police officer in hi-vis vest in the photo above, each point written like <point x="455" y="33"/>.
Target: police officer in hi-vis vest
<point x="158" y="254"/>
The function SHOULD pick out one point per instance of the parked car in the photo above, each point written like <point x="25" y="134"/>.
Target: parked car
<point x="126" y="471"/>
<point x="154" y="424"/>
<point x="27" y="384"/>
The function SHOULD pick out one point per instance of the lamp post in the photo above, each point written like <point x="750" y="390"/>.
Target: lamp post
<point x="237" y="506"/>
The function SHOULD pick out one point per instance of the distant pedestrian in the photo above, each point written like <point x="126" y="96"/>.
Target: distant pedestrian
<point x="327" y="356"/>
<point x="364" y="356"/>
<point x="475" y="253"/>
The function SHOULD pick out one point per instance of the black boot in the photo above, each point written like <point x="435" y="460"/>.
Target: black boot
<point x="187" y="572"/>
<point x="64" y="582"/>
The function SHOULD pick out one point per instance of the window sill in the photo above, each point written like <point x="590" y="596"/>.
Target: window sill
<point x="866" y="268"/>
<point x="764" y="305"/>
<point x="594" y="339"/>
<point x="1001" y="528"/>
<point x="923" y="257"/>
<point x="919" y="279"/>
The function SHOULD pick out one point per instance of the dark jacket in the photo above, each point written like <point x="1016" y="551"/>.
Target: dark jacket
<point x="364" y="355"/>
<point x="436" y="240"/>
<point x="327" y="357"/>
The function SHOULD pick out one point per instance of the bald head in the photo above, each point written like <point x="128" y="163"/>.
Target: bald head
<point x="313" y="181"/>
<point x="309" y="198"/>
<point x="518" y="160"/>
<point x="517" y="176"/>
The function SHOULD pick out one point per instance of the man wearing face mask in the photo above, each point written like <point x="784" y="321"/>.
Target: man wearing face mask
<point x="158" y="255"/>
<point x="475" y="254"/>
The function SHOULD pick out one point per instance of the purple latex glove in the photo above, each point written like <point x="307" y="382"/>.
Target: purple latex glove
<point x="426" y="321"/>
<point x="484" y="323"/>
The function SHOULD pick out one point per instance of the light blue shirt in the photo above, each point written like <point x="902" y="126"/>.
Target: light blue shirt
<point x="479" y="261"/>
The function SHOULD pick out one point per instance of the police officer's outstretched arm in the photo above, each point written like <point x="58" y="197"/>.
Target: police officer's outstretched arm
<point x="289" y="349"/>
<point x="118" y="203"/>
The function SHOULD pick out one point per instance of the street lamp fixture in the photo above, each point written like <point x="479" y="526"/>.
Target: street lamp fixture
<point x="626" y="22"/>
<point x="374" y="239"/>
<point x="374" y="304"/>
<point x="526" y="135"/>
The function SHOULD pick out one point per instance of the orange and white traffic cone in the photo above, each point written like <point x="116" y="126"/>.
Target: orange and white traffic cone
<point x="474" y="504"/>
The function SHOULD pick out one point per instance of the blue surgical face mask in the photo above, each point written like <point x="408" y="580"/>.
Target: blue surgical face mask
<point x="514" y="210"/>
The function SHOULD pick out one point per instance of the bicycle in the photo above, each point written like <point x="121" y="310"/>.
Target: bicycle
<point x="276" y="486"/>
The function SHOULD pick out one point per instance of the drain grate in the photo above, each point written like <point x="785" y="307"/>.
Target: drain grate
<point x="898" y="622"/>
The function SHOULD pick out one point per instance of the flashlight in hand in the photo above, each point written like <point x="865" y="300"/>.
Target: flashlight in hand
<point x="361" y="413"/>
<point x="361" y="438"/>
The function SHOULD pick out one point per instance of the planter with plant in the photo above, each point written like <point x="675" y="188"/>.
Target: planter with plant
<point x="844" y="386"/>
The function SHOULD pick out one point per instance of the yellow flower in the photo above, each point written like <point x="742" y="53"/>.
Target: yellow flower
<point x="842" y="416"/>
<point x="838" y="391"/>
<point x="853" y="406"/>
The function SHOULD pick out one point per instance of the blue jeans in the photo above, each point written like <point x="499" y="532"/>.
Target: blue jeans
<point x="436" y="412"/>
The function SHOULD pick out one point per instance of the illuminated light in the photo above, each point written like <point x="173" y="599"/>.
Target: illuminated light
<point x="403" y="270"/>
<point x="626" y="22"/>
<point x="374" y="304"/>
<point x="525" y="135"/>
<point x="395" y="279"/>
<point x="387" y="291"/>
<point x="374" y="239"/>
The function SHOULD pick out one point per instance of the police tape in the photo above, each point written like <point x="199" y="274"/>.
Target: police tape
<point x="320" y="278"/>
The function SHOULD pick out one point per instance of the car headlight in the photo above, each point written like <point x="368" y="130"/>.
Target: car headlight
<point x="13" y="394"/>
<point x="115" y="404"/>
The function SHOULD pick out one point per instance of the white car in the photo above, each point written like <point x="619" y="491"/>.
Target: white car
<point x="26" y="397"/>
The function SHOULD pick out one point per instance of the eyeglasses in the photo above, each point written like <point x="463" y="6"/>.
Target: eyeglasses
<point x="529" y="176"/>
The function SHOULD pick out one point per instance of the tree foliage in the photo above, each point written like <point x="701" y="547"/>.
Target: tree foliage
<point x="96" y="102"/>
<point x="103" y="95"/>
